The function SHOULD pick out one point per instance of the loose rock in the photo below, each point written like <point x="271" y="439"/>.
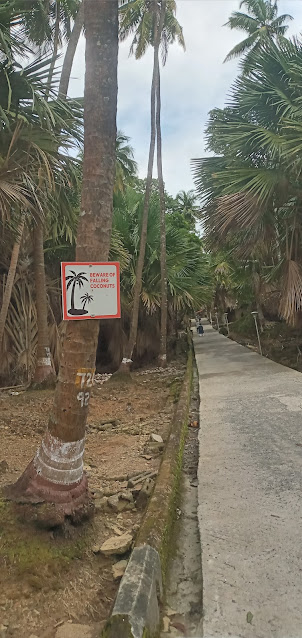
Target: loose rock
<point x="145" y="493"/>
<point x="126" y="495"/>
<point x="133" y="482"/>
<point x="117" y="545"/>
<point x="136" y="490"/>
<point x="101" y="504"/>
<point x="96" y="549"/>
<point x="156" y="438"/>
<point x="153" y="448"/>
<point x="166" y="625"/>
<point x="116" y="530"/>
<point x="171" y="612"/>
<point x="119" y="569"/>
<point x="118" y="504"/>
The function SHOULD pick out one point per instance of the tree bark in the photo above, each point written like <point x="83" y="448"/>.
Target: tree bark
<point x="10" y="279"/>
<point x="44" y="370"/>
<point x="55" y="48"/>
<point x="128" y="352"/>
<point x="70" y="52"/>
<point x="56" y="476"/>
<point x="163" y="251"/>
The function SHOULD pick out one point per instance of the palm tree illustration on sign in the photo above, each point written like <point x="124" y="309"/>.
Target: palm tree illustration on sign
<point x="74" y="280"/>
<point x="87" y="298"/>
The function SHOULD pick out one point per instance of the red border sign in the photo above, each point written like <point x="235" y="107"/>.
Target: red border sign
<point x="89" y="265"/>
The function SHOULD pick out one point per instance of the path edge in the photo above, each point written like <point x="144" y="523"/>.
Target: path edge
<point x="136" y="609"/>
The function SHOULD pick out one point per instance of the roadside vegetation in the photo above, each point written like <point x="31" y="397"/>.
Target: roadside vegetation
<point x="250" y="186"/>
<point x="41" y="182"/>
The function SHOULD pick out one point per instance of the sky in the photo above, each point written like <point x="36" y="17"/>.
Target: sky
<point x="193" y="82"/>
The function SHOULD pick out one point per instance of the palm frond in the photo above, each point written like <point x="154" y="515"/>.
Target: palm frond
<point x="241" y="47"/>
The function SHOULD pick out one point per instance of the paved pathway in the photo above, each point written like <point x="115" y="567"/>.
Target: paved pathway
<point x="250" y="497"/>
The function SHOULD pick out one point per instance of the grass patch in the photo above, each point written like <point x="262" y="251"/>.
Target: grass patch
<point x="175" y="389"/>
<point x="167" y="544"/>
<point x="34" y="556"/>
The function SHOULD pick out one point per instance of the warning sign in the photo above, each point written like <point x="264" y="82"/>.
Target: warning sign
<point x="91" y="290"/>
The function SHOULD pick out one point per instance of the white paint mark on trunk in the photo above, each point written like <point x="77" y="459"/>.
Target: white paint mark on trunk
<point x="60" y="462"/>
<point x="83" y="397"/>
<point x="44" y="361"/>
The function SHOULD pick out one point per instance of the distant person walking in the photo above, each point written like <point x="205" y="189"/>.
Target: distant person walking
<point x="200" y="330"/>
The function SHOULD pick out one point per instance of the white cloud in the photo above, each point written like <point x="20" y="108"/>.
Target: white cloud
<point x="192" y="83"/>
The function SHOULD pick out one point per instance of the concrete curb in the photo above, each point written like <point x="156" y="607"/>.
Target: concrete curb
<point x="136" y="610"/>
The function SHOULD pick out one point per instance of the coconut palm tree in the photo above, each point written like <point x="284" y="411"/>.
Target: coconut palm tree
<point x="163" y="245"/>
<point x="157" y="24"/>
<point x="126" y="166"/>
<point x="151" y="22"/>
<point x="261" y="23"/>
<point x="137" y="20"/>
<point x="49" y="25"/>
<point x="187" y="205"/>
<point x="56" y="476"/>
<point x="72" y="44"/>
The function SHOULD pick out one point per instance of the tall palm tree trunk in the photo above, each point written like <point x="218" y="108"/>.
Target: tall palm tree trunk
<point x="55" y="47"/>
<point x="56" y="473"/>
<point x="10" y="279"/>
<point x="43" y="365"/>
<point x="163" y="250"/>
<point x="44" y="370"/>
<point x="70" y="51"/>
<point x="128" y="352"/>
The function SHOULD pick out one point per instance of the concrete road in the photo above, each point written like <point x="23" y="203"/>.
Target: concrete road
<point x="250" y="498"/>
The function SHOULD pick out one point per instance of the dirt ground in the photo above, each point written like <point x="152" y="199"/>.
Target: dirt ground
<point x="47" y="578"/>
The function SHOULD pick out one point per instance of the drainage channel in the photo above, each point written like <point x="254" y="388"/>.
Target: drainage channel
<point x="182" y="613"/>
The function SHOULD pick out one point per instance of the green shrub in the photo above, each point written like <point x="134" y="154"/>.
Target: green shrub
<point x="244" y="326"/>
